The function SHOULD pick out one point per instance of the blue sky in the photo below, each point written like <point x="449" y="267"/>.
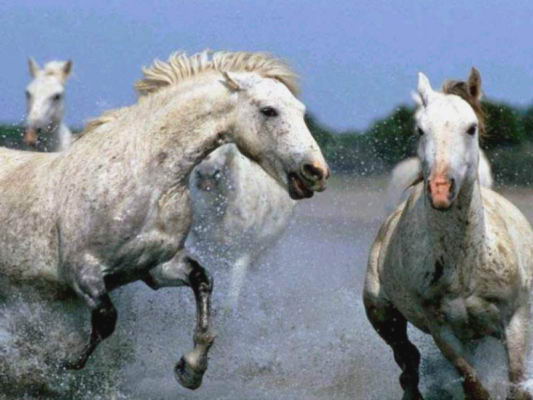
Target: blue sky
<point x="357" y="59"/>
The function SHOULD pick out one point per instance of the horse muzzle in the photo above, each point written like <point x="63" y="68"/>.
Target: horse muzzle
<point x="31" y="137"/>
<point x="310" y="178"/>
<point x="441" y="192"/>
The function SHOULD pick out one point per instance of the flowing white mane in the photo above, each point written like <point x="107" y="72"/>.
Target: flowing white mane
<point x="181" y="67"/>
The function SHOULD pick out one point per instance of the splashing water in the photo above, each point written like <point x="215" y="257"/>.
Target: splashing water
<point x="299" y="332"/>
<point x="37" y="334"/>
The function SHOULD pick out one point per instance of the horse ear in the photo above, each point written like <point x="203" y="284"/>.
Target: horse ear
<point x="417" y="99"/>
<point x="231" y="83"/>
<point x="474" y="84"/>
<point x="67" y="69"/>
<point x="34" y="67"/>
<point x="424" y="88"/>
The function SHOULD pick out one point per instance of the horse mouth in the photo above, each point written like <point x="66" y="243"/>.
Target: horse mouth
<point x="298" y="189"/>
<point x="442" y="199"/>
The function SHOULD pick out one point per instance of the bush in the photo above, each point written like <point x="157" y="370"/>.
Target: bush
<point x="504" y="125"/>
<point x="11" y="136"/>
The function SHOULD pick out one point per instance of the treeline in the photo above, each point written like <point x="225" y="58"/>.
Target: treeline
<point x="508" y="143"/>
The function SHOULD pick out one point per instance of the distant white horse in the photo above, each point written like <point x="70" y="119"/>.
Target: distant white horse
<point x="407" y="171"/>
<point x="115" y="208"/>
<point x="455" y="259"/>
<point x="45" y="97"/>
<point x="239" y="211"/>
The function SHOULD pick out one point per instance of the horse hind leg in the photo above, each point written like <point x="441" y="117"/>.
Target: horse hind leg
<point x="391" y="325"/>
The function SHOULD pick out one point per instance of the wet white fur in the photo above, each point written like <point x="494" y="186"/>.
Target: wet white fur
<point x="407" y="171"/>
<point x="239" y="211"/>
<point x="116" y="204"/>
<point x="45" y="111"/>
<point x="461" y="273"/>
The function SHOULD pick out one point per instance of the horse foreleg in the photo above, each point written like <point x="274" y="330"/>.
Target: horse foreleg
<point x="91" y="287"/>
<point x="516" y="345"/>
<point x="452" y="349"/>
<point x="185" y="271"/>
<point x="238" y="273"/>
<point x="391" y="325"/>
<point x="192" y="366"/>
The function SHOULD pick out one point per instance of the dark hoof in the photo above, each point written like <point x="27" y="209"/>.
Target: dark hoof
<point x="187" y="376"/>
<point x="412" y="396"/>
<point x="73" y="365"/>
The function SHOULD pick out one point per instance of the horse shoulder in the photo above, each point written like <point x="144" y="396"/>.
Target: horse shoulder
<point x="510" y="243"/>
<point x="379" y="250"/>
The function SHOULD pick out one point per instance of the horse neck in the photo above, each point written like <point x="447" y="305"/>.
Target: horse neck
<point x="185" y="129"/>
<point x="58" y="137"/>
<point x="64" y="137"/>
<point x="461" y="227"/>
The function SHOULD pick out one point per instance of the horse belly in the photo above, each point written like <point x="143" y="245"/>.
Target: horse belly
<point x="29" y="259"/>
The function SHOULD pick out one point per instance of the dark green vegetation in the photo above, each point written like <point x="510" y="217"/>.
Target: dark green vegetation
<point x="509" y="142"/>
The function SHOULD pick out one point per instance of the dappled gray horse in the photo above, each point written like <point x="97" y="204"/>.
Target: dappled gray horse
<point x="239" y="211"/>
<point x="115" y="208"/>
<point x="455" y="259"/>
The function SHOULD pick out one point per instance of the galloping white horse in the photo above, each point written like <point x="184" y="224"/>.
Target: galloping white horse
<point x="456" y="259"/>
<point x="407" y="171"/>
<point x="45" y="97"/>
<point x="239" y="211"/>
<point x="115" y="208"/>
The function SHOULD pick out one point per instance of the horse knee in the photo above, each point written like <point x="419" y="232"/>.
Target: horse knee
<point x="199" y="278"/>
<point x="104" y="319"/>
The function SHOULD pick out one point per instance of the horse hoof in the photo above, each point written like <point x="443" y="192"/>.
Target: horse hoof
<point x="187" y="376"/>
<point x="72" y="365"/>
<point x="412" y="395"/>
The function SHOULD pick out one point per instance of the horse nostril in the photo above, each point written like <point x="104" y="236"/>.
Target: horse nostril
<point x="312" y="172"/>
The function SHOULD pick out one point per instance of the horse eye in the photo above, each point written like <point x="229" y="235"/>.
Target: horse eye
<point x="28" y="95"/>
<point x="269" y="112"/>
<point x="57" y="97"/>
<point x="419" y="131"/>
<point x="472" y="130"/>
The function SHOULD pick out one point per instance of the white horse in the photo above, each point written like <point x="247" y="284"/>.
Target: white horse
<point x="407" y="171"/>
<point x="239" y="211"/>
<point x="45" y="98"/>
<point x="114" y="207"/>
<point x="456" y="259"/>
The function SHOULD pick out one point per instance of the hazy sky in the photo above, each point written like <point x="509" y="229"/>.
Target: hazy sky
<point x="357" y="59"/>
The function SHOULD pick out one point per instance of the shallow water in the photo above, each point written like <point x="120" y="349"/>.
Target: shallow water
<point x="300" y="331"/>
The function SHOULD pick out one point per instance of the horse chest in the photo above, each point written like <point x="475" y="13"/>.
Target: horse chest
<point x="157" y="238"/>
<point x="447" y="294"/>
<point x="469" y="317"/>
